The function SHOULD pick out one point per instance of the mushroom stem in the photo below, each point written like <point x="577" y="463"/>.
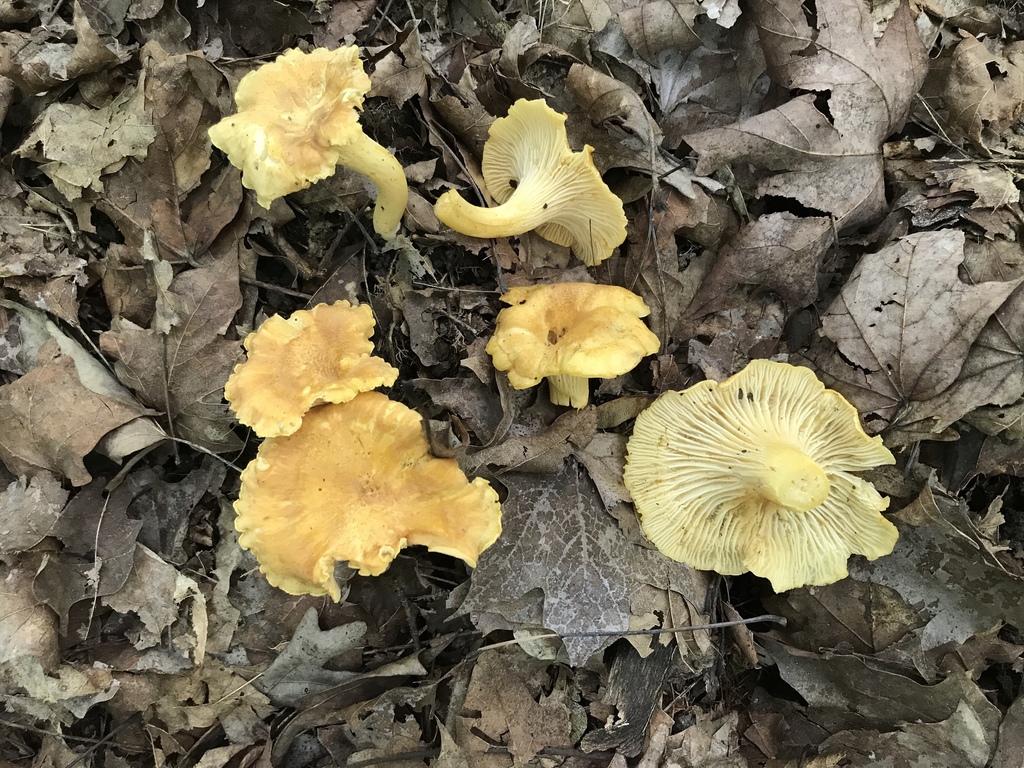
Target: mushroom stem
<point x="792" y="479"/>
<point x="364" y="155"/>
<point x="523" y="211"/>
<point x="569" y="390"/>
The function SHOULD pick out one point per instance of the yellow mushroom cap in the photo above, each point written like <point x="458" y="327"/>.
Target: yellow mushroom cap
<point x="357" y="483"/>
<point x="568" y="333"/>
<point x="542" y="185"/>
<point x="321" y="355"/>
<point x="297" y="121"/>
<point x="754" y="474"/>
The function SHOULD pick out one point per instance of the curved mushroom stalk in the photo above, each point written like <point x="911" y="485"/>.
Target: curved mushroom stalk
<point x="364" y="155"/>
<point x="297" y="121"/>
<point x="573" y="391"/>
<point x="542" y="185"/>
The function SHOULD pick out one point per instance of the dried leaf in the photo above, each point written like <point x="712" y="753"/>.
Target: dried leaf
<point x="165" y="194"/>
<point x="779" y="252"/>
<point x="557" y="537"/>
<point x="943" y="570"/>
<point x="401" y="74"/>
<point x="40" y="59"/>
<point x="77" y="145"/>
<point x="983" y="89"/>
<point x="182" y="372"/>
<point x="544" y="451"/>
<point x="67" y="695"/>
<point x="27" y="628"/>
<point x="517" y="708"/>
<point x="826" y="144"/>
<point x="299" y="669"/>
<point x="98" y="554"/>
<point x="155" y="591"/>
<point x="653" y="27"/>
<point x="29" y="510"/>
<point x="865" y="617"/>
<point x="52" y="420"/>
<point x="907" y="322"/>
<point x="830" y="686"/>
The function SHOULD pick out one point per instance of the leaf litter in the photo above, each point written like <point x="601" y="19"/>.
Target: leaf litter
<point x="825" y="183"/>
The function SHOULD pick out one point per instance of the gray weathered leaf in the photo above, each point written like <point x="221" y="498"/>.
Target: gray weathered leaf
<point x="559" y="538"/>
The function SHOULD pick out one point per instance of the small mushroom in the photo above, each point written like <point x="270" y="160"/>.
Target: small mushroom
<point x="297" y="121"/>
<point x="569" y="333"/>
<point x="321" y="355"/>
<point x="756" y="474"/>
<point x="542" y="185"/>
<point x="357" y="483"/>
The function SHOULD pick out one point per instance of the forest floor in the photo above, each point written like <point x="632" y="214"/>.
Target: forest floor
<point x="827" y="184"/>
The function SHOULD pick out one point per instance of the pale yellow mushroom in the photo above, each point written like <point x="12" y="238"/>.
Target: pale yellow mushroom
<point x="321" y="355"/>
<point x="755" y="473"/>
<point x="569" y="333"/>
<point x="297" y="121"/>
<point x="357" y="484"/>
<point x="541" y="185"/>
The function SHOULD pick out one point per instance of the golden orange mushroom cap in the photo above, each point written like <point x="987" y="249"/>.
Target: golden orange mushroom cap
<point x="297" y="121"/>
<point x="357" y="483"/>
<point x="321" y="355"/>
<point x="755" y="474"/>
<point x="542" y="185"/>
<point x="569" y="333"/>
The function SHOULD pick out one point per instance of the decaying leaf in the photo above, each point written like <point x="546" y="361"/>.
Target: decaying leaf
<point x="517" y="707"/>
<point x="867" y="617"/>
<point x="182" y="369"/>
<point x="779" y="252"/>
<point x="155" y="590"/>
<point x="883" y="696"/>
<point x="946" y="572"/>
<point x="824" y="146"/>
<point x="40" y="59"/>
<point x="299" y="670"/>
<point x="904" y="326"/>
<point x="979" y="89"/>
<point x="557" y="537"/>
<point x="165" y="193"/>
<point x="62" y="698"/>
<point x="77" y="145"/>
<point x="98" y="551"/>
<point x="52" y="420"/>
<point x="27" y="628"/>
<point x="29" y="510"/>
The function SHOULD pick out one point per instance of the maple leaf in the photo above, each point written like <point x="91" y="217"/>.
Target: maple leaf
<point x="825" y="143"/>
<point x="181" y="363"/>
<point x="909" y="338"/>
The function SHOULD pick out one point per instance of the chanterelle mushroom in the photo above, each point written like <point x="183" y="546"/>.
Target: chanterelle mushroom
<point x="357" y="483"/>
<point x="755" y="474"/>
<point x="321" y="355"/>
<point x="542" y="185"/>
<point x="297" y="121"/>
<point x="569" y="333"/>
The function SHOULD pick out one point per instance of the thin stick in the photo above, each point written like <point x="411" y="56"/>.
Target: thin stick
<point x="768" y="618"/>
